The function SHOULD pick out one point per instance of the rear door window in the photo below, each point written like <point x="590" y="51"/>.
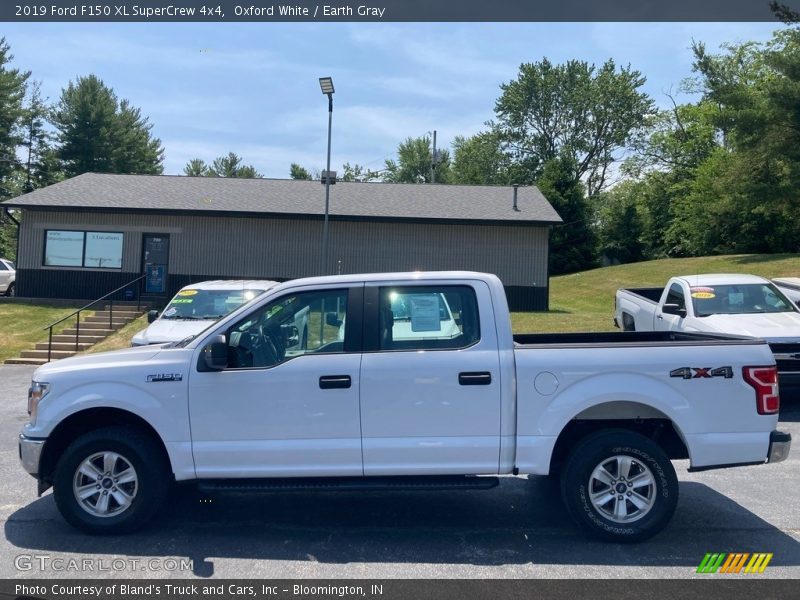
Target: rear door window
<point x="427" y="318"/>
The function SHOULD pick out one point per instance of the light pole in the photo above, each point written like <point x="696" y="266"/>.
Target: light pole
<point x="326" y="85"/>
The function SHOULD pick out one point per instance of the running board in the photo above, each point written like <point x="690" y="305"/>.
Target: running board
<point x="346" y="484"/>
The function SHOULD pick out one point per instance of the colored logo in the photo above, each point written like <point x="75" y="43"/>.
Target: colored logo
<point x="736" y="562"/>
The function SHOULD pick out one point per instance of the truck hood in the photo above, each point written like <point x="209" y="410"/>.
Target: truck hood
<point x="116" y="358"/>
<point x="169" y="330"/>
<point x="768" y="326"/>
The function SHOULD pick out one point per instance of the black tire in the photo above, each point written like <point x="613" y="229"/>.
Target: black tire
<point x="581" y="477"/>
<point x="138" y="450"/>
<point x="10" y="292"/>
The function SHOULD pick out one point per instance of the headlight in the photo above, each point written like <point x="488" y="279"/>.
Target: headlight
<point x="36" y="392"/>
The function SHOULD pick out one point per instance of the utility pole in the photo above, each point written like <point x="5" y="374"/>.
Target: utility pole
<point x="433" y="164"/>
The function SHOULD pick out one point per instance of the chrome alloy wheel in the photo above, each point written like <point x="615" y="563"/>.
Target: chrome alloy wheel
<point x="105" y="484"/>
<point x="622" y="489"/>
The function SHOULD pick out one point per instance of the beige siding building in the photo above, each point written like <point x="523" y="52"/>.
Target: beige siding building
<point x="84" y="237"/>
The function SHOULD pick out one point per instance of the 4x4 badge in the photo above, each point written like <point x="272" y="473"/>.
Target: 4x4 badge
<point x="702" y="372"/>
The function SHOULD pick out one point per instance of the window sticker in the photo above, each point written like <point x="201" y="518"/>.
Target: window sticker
<point x="170" y="311"/>
<point x="424" y="312"/>
<point x="187" y="293"/>
<point x="703" y="293"/>
<point x="183" y="300"/>
<point x="735" y="298"/>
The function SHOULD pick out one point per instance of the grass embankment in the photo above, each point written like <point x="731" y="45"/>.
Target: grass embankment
<point x="121" y="338"/>
<point x="21" y="326"/>
<point x="585" y="301"/>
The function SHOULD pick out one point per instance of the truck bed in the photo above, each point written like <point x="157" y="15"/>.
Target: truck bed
<point x="627" y="338"/>
<point x="651" y="294"/>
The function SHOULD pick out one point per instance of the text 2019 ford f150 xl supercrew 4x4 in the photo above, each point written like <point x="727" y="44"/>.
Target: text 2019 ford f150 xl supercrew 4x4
<point x="232" y="408"/>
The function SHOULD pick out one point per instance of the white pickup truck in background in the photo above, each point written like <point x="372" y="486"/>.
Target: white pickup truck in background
<point x="232" y="409"/>
<point x="719" y="303"/>
<point x="790" y="286"/>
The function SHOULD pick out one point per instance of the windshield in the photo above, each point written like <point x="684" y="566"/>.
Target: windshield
<point x="738" y="299"/>
<point x="206" y="304"/>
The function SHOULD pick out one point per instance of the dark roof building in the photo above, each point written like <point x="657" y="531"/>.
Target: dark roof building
<point x="87" y="235"/>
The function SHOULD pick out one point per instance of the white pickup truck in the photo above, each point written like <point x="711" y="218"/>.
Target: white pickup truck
<point x="718" y="303"/>
<point x="230" y="408"/>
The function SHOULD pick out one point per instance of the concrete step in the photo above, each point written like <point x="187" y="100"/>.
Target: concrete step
<point x="115" y="319"/>
<point x="88" y="331"/>
<point x="65" y="345"/>
<point x="82" y="338"/>
<point x="144" y="306"/>
<point x="43" y="354"/>
<point x="121" y="314"/>
<point x="25" y="361"/>
<point x="100" y="325"/>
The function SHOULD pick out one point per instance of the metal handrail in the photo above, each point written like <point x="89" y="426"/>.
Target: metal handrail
<point x="77" y="315"/>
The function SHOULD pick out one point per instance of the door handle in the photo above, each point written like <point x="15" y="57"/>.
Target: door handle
<point x="475" y="378"/>
<point x="660" y="317"/>
<point x="332" y="382"/>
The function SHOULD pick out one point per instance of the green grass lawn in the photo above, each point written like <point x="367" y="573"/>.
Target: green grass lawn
<point x="585" y="301"/>
<point x="21" y="326"/>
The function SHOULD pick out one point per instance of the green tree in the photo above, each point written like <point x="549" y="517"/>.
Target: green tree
<point x="481" y="160"/>
<point x="572" y="243"/>
<point x="39" y="161"/>
<point x="415" y="163"/>
<point x="576" y="110"/>
<point x="98" y="133"/>
<point x="229" y="165"/>
<point x="619" y="225"/>
<point x="13" y="84"/>
<point x="196" y="168"/>
<point x="357" y="172"/>
<point x="298" y="172"/>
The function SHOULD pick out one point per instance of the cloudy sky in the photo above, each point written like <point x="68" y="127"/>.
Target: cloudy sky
<point x="253" y="88"/>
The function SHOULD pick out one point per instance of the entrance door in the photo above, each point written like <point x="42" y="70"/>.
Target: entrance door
<point x="155" y="262"/>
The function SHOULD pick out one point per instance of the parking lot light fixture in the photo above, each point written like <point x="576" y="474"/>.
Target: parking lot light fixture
<point x="326" y="85"/>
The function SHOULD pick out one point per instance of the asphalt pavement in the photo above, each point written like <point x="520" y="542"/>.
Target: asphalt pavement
<point x="518" y="530"/>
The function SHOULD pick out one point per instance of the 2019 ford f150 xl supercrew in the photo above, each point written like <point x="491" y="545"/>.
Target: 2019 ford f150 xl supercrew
<point x="231" y="408"/>
<point x="734" y="304"/>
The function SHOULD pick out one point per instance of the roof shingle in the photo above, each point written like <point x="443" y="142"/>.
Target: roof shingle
<point x="291" y="197"/>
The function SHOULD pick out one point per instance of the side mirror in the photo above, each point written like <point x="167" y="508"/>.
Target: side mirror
<point x="152" y="315"/>
<point x="215" y="354"/>
<point x="332" y="319"/>
<point x="674" y="309"/>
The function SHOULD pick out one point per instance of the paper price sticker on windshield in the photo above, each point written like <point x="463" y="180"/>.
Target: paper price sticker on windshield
<point x="183" y="300"/>
<point x="187" y="293"/>
<point x="703" y="293"/>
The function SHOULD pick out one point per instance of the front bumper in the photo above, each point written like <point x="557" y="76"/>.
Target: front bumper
<point x="779" y="445"/>
<point x="30" y="451"/>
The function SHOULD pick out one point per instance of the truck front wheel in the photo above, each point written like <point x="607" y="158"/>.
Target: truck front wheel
<point x="620" y="486"/>
<point x="110" y="481"/>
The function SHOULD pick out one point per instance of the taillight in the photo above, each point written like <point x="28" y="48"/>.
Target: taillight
<point x="765" y="382"/>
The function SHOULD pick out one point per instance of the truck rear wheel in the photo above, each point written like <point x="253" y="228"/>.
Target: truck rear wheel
<point x="112" y="480"/>
<point x="620" y="486"/>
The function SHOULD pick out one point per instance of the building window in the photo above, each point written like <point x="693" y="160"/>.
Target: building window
<point x="93" y="249"/>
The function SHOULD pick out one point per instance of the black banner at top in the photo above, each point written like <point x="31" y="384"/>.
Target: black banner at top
<point x="388" y="10"/>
